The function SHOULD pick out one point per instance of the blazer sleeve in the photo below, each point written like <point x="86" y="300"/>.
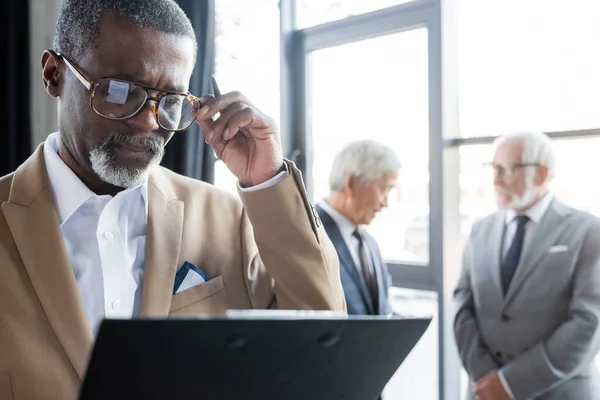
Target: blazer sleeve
<point x="289" y="261"/>
<point x="474" y="353"/>
<point x="575" y="342"/>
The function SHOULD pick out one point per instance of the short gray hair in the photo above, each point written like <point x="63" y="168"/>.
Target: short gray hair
<point x="367" y="160"/>
<point x="78" y="22"/>
<point x="537" y="148"/>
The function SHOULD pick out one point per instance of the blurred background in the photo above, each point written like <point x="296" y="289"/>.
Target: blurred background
<point x="436" y="80"/>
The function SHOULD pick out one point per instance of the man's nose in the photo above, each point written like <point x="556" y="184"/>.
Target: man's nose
<point x="384" y="202"/>
<point x="145" y="119"/>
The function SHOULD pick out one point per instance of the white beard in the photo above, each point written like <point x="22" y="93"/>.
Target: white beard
<point x="527" y="198"/>
<point x="101" y="160"/>
<point x="118" y="176"/>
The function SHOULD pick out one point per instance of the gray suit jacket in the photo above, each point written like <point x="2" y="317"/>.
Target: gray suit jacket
<point x="544" y="333"/>
<point x="357" y="296"/>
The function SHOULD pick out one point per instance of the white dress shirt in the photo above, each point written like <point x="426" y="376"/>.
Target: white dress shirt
<point x="535" y="214"/>
<point x="105" y="238"/>
<point x="347" y="229"/>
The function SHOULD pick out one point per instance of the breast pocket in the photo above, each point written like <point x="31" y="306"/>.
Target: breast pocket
<point x="206" y="298"/>
<point x="558" y="265"/>
<point x="555" y="270"/>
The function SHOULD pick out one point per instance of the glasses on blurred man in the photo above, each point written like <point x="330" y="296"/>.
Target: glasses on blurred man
<point x="507" y="171"/>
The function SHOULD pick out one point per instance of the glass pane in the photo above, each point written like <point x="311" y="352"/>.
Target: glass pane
<point x="417" y="377"/>
<point x="572" y="157"/>
<point x="380" y="95"/>
<point x="315" y="12"/>
<point x="528" y="65"/>
<point x="240" y="64"/>
<point x="224" y="179"/>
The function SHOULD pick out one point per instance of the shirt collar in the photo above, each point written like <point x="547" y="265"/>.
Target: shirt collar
<point x="346" y="227"/>
<point x="69" y="191"/>
<point x="535" y="212"/>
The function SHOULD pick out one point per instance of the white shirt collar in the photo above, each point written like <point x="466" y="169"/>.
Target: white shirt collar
<point x="535" y="212"/>
<point x="70" y="192"/>
<point x="346" y="227"/>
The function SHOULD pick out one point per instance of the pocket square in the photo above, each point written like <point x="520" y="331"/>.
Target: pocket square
<point x="188" y="277"/>
<point x="558" y="249"/>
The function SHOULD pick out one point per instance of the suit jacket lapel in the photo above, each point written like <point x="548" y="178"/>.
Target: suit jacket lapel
<point x="165" y="227"/>
<point x="346" y="260"/>
<point x="31" y="216"/>
<point x="494" y="250"/>
<point x="545" y="234"/>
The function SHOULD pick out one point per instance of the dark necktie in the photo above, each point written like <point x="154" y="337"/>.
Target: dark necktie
<point x="514" y="253"/>
<point x="367" y="268"/>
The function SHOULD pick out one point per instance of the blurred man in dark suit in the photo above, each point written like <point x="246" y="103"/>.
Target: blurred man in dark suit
<point x="361" y="178"/>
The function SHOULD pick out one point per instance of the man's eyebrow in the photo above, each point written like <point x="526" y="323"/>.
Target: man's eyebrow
<point x="134" y="79"/>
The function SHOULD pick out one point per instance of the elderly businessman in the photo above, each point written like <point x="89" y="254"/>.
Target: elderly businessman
<point x="91" y="226"/>
<point x="360" y="180"/>
<point x="528" y="303"/>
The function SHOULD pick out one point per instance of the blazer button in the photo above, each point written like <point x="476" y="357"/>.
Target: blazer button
<point x="505" y="318"/>
<point x="499" y="354"/>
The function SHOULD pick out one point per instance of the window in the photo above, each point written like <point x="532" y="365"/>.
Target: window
<point x="377" y="89"/>
<point x="417" y="377"/>
<point x="528" y="65"/>
<point x="247" y="59"/>
<point x="315" y="12"/>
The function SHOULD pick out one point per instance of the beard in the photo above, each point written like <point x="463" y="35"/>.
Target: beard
<point x="102" y="159"/>
<point x="528" y="197"/>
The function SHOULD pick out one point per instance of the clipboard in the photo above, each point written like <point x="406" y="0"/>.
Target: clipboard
<point x="249" y="358"/>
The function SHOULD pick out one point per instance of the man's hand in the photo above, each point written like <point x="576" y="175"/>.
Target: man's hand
<point x="245" y="139"/>
<point x="490" y="388"/>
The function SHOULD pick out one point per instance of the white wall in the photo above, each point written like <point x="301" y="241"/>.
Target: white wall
<point x="42" y="17"/>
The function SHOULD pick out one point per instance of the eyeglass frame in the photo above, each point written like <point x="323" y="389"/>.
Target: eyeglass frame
<point x="92" y="85"/>
<point x="512" y="167"/>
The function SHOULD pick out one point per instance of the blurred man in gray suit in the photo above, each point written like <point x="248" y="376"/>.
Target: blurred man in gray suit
<point x="528" y="300"/>
<point x="360" y="180"/>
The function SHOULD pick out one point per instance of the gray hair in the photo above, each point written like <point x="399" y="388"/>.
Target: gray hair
<point x="537" y="148"/>
<point x="367" y="160"/>
<point x="78" y="22"/>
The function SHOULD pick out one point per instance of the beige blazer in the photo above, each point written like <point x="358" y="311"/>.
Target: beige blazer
<point x="270" y="243"/>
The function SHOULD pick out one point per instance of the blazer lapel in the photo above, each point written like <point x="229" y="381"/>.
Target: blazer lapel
<point x="494" y="249"/>
<point x="165" y="227"/>
<point x="549" y="229"/>
<point x="32" y="219"/>
<point x="379" y="270"/>
<point x="346" y="260"/>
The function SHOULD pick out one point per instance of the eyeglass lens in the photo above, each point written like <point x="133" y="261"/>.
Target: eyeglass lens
<point x="115" y="98"/>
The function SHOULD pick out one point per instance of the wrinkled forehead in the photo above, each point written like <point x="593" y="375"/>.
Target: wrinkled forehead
<point x="143" y="55"/>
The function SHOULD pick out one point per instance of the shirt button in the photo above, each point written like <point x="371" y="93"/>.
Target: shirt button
<point x="109" y="235"/>
<point x="116" y="305"/>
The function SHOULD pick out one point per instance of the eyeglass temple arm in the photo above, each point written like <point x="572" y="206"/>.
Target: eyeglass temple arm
<point x="86" y="83"/>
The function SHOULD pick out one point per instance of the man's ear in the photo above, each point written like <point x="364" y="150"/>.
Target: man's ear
<point x="52" y="72"/>
<point x="349" y="185"/>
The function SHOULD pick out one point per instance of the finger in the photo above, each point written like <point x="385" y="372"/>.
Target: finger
<point x="259" y="125"/>
<point x="212" y="105"/>
<point x="220" y="127"/>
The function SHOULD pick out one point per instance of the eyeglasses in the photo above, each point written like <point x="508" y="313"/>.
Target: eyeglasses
<point x="508" y="170"/>
<point x="120" y="100"/>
